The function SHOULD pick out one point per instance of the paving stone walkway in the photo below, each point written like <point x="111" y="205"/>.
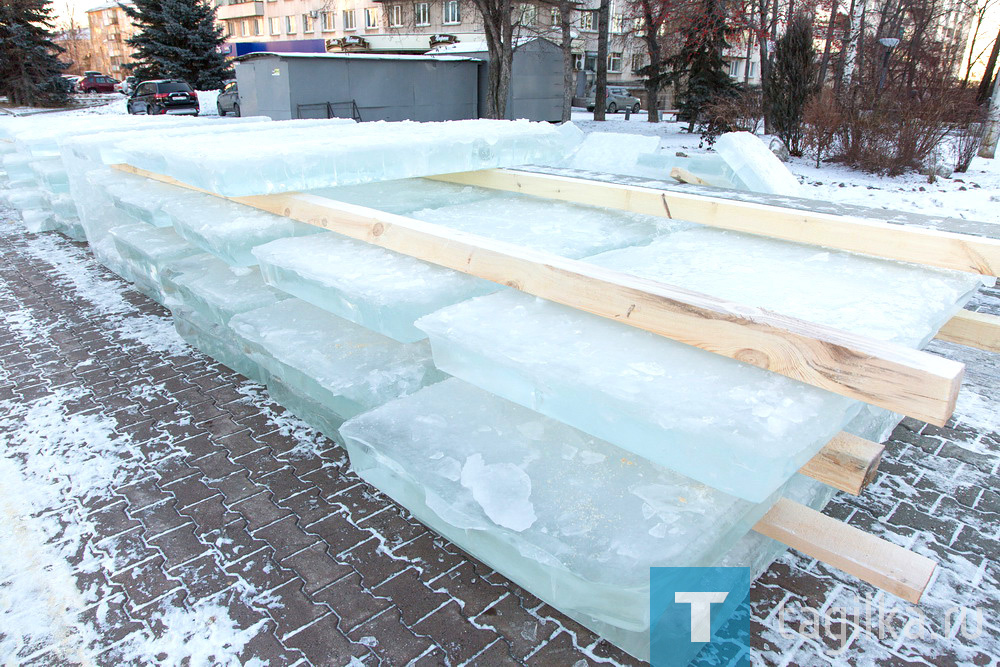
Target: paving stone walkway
<point x="158" y="507"/>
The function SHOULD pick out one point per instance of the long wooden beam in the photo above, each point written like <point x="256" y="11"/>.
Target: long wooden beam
<point x="847" y="463"/>
<point x="909" y="244"/>
<point x="973" y="329"/>
<point x="917" y="384"/>
<point x="879" y="562"/>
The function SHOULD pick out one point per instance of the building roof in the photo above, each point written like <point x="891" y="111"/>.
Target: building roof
<point x="350" y="56"/>
<point x="107" y="5"/>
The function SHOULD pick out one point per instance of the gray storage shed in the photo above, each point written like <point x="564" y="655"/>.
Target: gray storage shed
<point x="384" y="87"/>
<point x="536" y="79"/>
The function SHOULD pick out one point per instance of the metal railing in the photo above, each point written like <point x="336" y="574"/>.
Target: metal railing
<point x="347" y="109"/>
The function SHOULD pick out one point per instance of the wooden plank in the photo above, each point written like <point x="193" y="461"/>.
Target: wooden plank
<point x="917" y="384"/>
<point x="872" y="559"/>
<point x="685" y="176"/>
<point x="847" y="463"/>
<point x="980" y="330"/>
<point x="909" y="244"/>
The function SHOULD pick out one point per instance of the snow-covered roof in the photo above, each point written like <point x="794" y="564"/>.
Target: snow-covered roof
<point x="349" y="56"/>
<point x="108" y="5"/>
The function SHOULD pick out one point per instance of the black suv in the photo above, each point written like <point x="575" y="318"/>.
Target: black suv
<point x="163" y="96"/>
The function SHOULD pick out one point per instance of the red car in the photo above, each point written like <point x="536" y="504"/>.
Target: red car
<point x="96" y="83"/>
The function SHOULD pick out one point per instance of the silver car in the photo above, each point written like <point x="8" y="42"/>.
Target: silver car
<point x="619" y="99"/>
<point x="229" y="99"/>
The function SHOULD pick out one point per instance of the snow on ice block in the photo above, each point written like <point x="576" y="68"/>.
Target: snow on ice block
<point x="755" y="165"/>
<point x="733" y="426"/>
<point x="228" y="230"/>
<point x="377" y="288"/>
<point x="25" y="199"/>
<point x="565" y="229"/>
<point x="404" y="196"/>
<point x="611" y="152"/>
<point x="281" y="160"/>
<point x="214" y="290"/>
<point x="573" y="519"/>
<point x="332" y="362"/>
<point x="146" y="251"/>
<point x="38" y="220"/>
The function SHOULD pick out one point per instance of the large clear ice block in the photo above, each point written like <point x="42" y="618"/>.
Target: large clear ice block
<point x="573" y="519"/>
<point x="377" y="288"/>
<point x="226" y="229"/>
<point x="337" y="364"/>
<point x="283" y="160"/>
<point x="145" y="251"/>
<point x="733" y="426"/>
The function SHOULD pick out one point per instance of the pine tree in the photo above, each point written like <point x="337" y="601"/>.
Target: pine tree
<point x="30" y="68"/>
<point x="699" y="65"/>
<point x="790" y="82"/>
<point x="178" y="39"/>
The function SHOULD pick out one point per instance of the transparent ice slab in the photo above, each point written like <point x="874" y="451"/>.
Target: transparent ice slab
<point x="146" y="250"/>
<point x="226" y="229"/>
<point x="214" y="290"/>
<point x="382" y="290"/>
<point x="612" y="152"/>
<point x="755" y="165"/>
<point x="215" y="340"/>
<point x="573" y="519"/>
<point x="387" y="291"/>
<point x="333" y="362"/>
<point x="735" y="427"/>
<point x="142" y="198"/>
<point x="282" y="160"/>
<point x="569" y="230"/>
<point x="406" y="195"/>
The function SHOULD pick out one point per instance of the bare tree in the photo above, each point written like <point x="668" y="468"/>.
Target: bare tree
<point x="601" y="79"/>
<point x="982" y="8"/>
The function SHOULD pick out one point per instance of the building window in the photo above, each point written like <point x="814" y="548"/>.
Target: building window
<point x="638" y="61"/>
<point x="290" y="27"/>
<point x="244" y="28"/>
<point x="614" y="62"/>
<point x="327" y="21"/>
<point x="555" y="17"/>
<point x="349" y="22"/>
<point x="372" y="18"/>
<point x="395" y="16"/>
<point x="308" y="23"/>
<point x="618" y="24"/>
<point x="451" y="15"/>
<point x="274" y="25"/>
<point x="587" y="20"/>
<point x="734" y="68"/>
<point x="257" y="25"/>
<point x="528" y="14"/>
<point x="578" y="61"/>
<point x="422" y="13"/>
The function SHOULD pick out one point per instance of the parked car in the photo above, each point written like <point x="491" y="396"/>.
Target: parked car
<point x="126" y="86"/>
<point x="96" y="83"/>
<point x="71" y="81"/>
<point x="229" y="99"/>
<point x="163" y="96"/>
<point x="619" y="99"/>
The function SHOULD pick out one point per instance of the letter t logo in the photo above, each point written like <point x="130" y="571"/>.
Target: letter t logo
<point x="701" y="611"/>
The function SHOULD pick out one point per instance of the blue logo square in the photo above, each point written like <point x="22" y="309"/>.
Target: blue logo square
<point x="693" y="614"/>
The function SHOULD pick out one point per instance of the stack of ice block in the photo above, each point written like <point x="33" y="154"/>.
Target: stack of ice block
<point x="569" y="452"/>
<point x="386" y="291"/>
<point x="287" y="158"/>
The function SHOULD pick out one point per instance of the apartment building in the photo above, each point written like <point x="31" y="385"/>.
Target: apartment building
<point x="110" y="26"/>
<point x="395" y="26"/>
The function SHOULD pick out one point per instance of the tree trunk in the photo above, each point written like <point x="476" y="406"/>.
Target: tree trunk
<point x="652" y="82"/>
<point x="988" y="149"/>
<point x="498" y="29"/>
<point x="601" y="83"/>
<point x="824" y="63"/>
<point x="569" y="83"/>
<point x="852" y="46"/>
<point x="985" y="86"/>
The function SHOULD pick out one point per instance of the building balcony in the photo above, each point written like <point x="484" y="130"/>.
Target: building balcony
<point x="240" y="10"/>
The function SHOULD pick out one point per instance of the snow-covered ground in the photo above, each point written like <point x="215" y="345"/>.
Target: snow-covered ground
<point x="974" y="195"/>
<point x="117" y="105"/>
